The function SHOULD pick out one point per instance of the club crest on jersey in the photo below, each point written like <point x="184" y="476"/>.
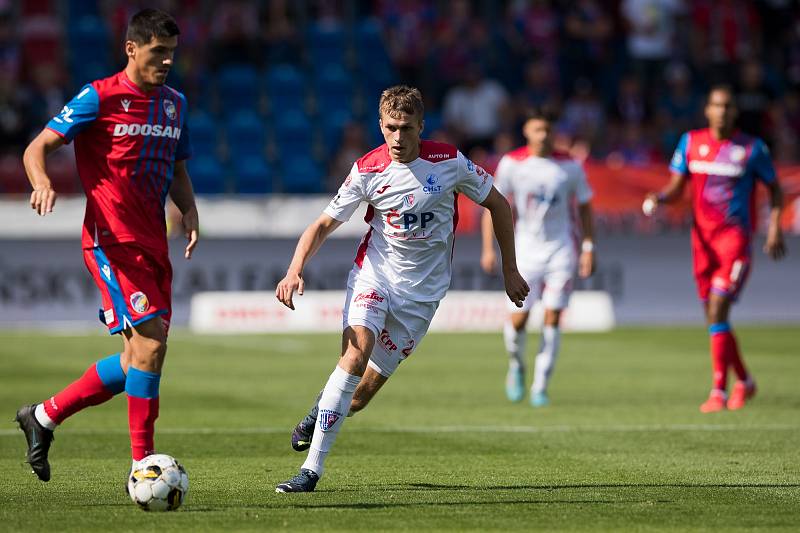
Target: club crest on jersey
<point x="327" y="418"/>
<point x="169" y="109"/>
<point x="470" y="165"/>
<point x="139" y="302"/>
<point x="703" y="150"/>
<point x="125" y="104"/>
<point x="408" y="200"/>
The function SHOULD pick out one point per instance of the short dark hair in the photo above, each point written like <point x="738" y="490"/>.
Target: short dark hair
<point x="541" y="113"/>
<point x="151" y="23"/>
<point x="721" y="87"/>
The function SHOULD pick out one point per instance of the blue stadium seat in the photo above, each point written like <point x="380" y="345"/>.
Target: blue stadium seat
<point x="326" y="44"/>
<point x="237" y="87"/>
<point x="301" y="175"/>
<point x="207" y="174"/>
<point x="246" y="135"/>
<point x="333" y="124"/>
<point x="293" y="134"/>
<point x="285" y="87"/>
<point x="369" y="43"/>
<point x="203" y="131"/>
<point x="333" y="87"/>
<point x="252" y="175"/>
<point x="81" y="8"/>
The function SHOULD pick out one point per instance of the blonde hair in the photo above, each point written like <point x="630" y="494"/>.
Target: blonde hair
<point x="401" y="99"/>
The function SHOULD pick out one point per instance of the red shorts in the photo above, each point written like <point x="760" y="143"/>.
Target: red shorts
<point x="721" y="262"/>
<point x="135" y="283"/>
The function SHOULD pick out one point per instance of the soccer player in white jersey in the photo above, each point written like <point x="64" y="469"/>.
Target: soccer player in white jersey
<point x="402" y="266"/>
<point x="544" y="187"/>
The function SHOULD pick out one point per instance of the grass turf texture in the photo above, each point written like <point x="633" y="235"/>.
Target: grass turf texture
<point x="623" y="446"/>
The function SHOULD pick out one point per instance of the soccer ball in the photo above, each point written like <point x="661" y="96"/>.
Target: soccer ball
<point x="158" y="483"/>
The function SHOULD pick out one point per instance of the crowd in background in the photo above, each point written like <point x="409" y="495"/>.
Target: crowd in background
<point x="284" y="93"/>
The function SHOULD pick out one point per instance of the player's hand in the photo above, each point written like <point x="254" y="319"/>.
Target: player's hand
<point x="775" y="246"/>
<point x="286" y="288"/>
<point x="586" y="264"/>
<point x="650" y="204"/>
<point x="516" y="287"/>
<point x="489" y="261"/>
<point x="43" y="199"/>
<point x="191" y="227"/>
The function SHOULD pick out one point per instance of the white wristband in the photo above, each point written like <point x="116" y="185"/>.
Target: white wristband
<point x="587" y="246"/>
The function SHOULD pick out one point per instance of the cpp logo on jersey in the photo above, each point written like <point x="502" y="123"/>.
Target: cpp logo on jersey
<point x="169" y="109"/>
<point x="139" y="302"/>
<point x="432" y="187"/>
<point x="327" y="418"/>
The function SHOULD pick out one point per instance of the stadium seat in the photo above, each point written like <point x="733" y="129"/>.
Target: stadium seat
<point x="252" y="175"/>
<point x="370" y="47"/>
<point x="246" y="135"/>
<point x="326" y="44"/>
<point x="301" y="175"/>
<point x="203" y="131"/>
<point x="82" y="8"/>
<point x="286" y="88"/>
<point x="333" y="124"/>
<point x="293" y="134"/>
<point x="237" y="88"/>
<point x="333" y="88"/>
<point x="208" y="176"/>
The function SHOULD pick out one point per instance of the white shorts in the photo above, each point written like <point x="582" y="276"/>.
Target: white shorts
<point x="399" y="324"/>
<point x="550" y="277"/>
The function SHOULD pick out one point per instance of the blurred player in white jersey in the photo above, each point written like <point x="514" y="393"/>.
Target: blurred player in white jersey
<point x="544" y="187"/>
<point x="402" y="266"/>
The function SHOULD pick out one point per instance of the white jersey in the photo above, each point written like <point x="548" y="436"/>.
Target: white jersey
<point x="412" y="216"/>
<point x="543" y="190"/>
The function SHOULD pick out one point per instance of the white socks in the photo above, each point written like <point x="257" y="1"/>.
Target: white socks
<point x="546" y="359"/>
<point x="334" y="405"/>
<point x="516" y="342"/>
<point x="42" y="418"/>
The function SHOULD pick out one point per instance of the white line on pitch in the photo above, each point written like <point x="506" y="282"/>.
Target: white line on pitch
<point x="443" y="429"/>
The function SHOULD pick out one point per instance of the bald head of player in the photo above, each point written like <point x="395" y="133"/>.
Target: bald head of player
<point x="721" y="111"/>
<point x="401" y="111"/>
<point x="538" y="132"/>
<point x="150" y="44"/>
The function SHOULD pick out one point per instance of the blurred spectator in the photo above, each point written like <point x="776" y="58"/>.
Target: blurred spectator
<point x="632" y="148"/>
<point x="588" y="29"/>
<point x="533" y="27"/>
<point x="354" y="145"/>
<point x="280" y="39"/>
<point x="234" y="33"/>
<point x="726" y="31"/>
<point x="460" y="43"/>
<point x="408" y="26"/>
<point x="678" y="109"/>
<point x="539" y="89"/>
<point x="753" y="99"/>
<point x="10" y="52"/>
<point x="583" y="117"/>
<point x="631" y="105"/>
<point x="475" y="110"/>
<point x="651" y="33"/>
<point x="785" y="120"/>
<point x="47" y="95"/>
<point x="15" y="124"/>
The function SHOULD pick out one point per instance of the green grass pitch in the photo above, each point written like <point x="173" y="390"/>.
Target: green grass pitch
<point x="623" y="446"/>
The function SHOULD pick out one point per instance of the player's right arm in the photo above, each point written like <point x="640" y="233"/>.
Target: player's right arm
<point x="679" y="167"/>
<point x="43" y="197"/>
<point x="62" y="128"/>
<point x="310" y="241"/>
<point x="341" y="208"/>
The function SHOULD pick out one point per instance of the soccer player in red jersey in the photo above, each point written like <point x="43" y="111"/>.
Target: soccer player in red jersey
<point x="723" y="165"/>
<point x="131" y="142"/>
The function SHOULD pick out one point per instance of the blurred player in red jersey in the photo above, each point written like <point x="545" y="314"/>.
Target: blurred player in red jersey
<point x="723" y="165"/>
<point x="131" y="143"/>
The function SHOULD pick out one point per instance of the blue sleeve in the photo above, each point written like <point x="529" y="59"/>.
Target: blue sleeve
<point x="761" y="162"/>
<point x="77" y="114"/>
<point x="184" y="149"/>
<point x="678" y="163"/>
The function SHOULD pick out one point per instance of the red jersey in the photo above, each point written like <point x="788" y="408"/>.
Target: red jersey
<point x="126" y="145"/>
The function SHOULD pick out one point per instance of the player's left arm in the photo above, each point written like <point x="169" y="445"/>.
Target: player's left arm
<point x="775" y="246"/>
<point x="761" y="163"/>
<point x="586" y="262"/>
<point x="503" y="224"/>
<point x="182" y="194"/>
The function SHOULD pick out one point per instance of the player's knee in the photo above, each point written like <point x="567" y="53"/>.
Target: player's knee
<point x="354" y="360"/>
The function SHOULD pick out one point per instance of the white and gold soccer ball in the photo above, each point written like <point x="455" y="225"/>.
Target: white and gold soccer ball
<point x="158" y="483"/>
